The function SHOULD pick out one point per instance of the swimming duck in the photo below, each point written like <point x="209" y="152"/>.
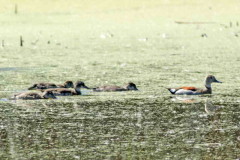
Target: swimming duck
<point x="68" y="92"/>
<point x="34" y="95"/>
<point x="67" y="84"/>
<point x="128" y="87"/>
<point x="196" y="91"/>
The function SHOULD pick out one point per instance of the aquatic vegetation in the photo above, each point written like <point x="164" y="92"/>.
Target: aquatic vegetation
<point x="115" y="45"/>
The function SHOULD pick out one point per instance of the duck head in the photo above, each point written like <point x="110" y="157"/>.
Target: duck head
<point x="80" y="84"/>
<point x="48" y="95"/>
<point x="209" y="80"/>
<point x="32" y="87"/>
<point x="131" y="86"/>
<point x="69" y="84"/>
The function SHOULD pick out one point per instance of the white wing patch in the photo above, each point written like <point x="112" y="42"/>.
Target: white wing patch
<point x="183" y="91"/>
<point x="172" y="90"/>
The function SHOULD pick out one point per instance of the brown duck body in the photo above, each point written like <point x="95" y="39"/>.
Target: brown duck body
<point x="34" y="95"/>
<point x="68" y="92"/>
<point x="109" y="89"/>
<point x="130" y="86"/>
<point x="64" y="91"/>
<point x="67" y="84"/>
<point x="207" y="90"/>
<point x="42" y="86"/>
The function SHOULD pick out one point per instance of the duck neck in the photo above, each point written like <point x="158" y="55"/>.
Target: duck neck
<point x="208" y="89"/>
<point x="78" y="91"/>
<point x="207" y="84"/>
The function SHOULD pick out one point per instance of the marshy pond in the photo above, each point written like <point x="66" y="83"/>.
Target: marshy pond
<point x="154" y="53"/>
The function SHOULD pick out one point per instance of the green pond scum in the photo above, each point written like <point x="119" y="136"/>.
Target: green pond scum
<point x="154" y="44"/>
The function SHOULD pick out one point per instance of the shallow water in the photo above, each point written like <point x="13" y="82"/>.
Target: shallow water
<point x="15" y="68"/>
<point x="9" y="69"/>
<point x="132" y="129"/>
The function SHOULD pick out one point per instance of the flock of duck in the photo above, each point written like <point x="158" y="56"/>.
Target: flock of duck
<point x="51" y="90"/>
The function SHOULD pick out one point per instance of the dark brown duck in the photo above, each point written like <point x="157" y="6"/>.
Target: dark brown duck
<point x="67" y="84"/>
<point x="129" y="87"/>
<point x="68" y="92"/>
<point x="34" y="95"/>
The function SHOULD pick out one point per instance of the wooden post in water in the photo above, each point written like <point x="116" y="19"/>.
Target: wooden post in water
<point x="230" y="24"/>
<point x="21" y="41"/>
<point x="2" y="43"/>
<point x="16" y="9"/>
<point x="237" y="24"/>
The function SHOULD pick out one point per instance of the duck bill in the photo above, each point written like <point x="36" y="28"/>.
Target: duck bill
<point x="52" y="98"/>
<point x="216" y="81"/>
<point x="32" y="87"/>
<point x="86" y="87"/>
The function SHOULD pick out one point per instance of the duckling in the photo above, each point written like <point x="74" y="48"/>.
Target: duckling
<point x="68" y="92"/>
<point x="34" y="95"/>
<point x="67" y="84"/>
<point x="196" y="91"/>
<point x="128" y="87"/>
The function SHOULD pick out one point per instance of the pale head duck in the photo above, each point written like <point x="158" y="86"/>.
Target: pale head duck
<point x="67" y="84"/>
<point x="196" y="91"/>
<point x="68" y="92"/>
<point x="34" y="95"/>
<point x="128" y="87"/>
